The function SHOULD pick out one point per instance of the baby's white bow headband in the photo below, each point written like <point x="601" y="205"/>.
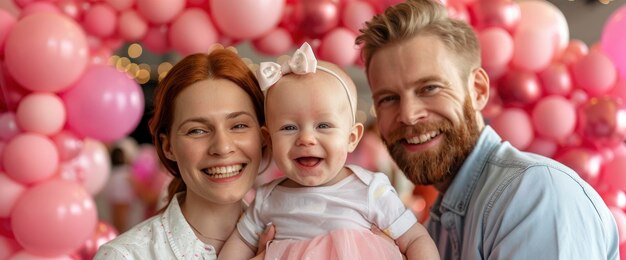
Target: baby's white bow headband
<point x="302" y="62"/>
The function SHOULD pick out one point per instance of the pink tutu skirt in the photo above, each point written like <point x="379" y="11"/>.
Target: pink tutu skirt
<point x="343" y="244"/>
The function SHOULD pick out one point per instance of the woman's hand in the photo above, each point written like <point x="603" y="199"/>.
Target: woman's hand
<point x="382" y="234"/>
<point x="267" y="235"/>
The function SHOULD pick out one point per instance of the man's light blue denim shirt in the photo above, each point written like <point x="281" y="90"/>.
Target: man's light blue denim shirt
<point x="508" y="204"/>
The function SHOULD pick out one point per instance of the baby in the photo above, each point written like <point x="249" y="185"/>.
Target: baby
<point x="322" y="208"/>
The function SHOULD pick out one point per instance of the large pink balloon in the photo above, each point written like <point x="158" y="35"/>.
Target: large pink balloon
<point x="338" y="47"/>
<point x="246" y="19"/>
<point x="156" y="39"/>
<point x="585" y="162"/>
<point x="533" y="49"/>
<point x="602" y="121"/>
<point x="496" y="47"/>
<point x="614" y="39"/>
<point x="160" y="11"/>
<point x="539" y="14"/>
<point x="192" y="32"/>
<point x="594" y="73"/>
<point x="46" y="52"/>
<point x="30" y="158"/>
<point x="554" y="117"/>
<point x="70" y="218"/>
<point x="105" y="104"/>
<point x="7" y="21"/>
<point x="614" y="198"/>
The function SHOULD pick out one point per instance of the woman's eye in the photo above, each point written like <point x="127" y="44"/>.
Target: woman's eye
<point x="196" y="131"/>
<point x="240" y="126"/>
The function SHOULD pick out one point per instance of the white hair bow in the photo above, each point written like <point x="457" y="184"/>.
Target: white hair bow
<point x="302" y="62"/>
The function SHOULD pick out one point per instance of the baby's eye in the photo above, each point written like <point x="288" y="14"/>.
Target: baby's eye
<point x="288" y="128"/>
<point x="324" y="125"/>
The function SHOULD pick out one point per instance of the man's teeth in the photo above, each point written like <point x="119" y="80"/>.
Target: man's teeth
<point x="224" y="171"/>
<point x="420" y="139"/>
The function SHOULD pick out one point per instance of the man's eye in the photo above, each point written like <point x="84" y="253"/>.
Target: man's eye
<point x="387" y="99"/>
<point x="430" y="88"/>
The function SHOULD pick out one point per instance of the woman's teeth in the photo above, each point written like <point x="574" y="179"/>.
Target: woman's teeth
<point x="224" y="171"/>
<point x="420" y="139"/>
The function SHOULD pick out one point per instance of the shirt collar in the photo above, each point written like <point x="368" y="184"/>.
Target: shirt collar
<point x="179" y="234"/>
<point x="459" y="193"/>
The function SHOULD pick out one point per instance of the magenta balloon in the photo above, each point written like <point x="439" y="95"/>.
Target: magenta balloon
<point x="594" y="73"/>
<point x="614" y="39"/>
<point x="519" y="88"/>
<point x="105" y="104"/>
<point x="46" y="52"/>
<point x="585" y="162"/>
<point x="496" y="13"/>
<point x="556" y="80"/>
<point x="246" y="19"/>
<point x="70" y="218"/>
<point x="313" y="18"/>
<point x="602" y="121"/>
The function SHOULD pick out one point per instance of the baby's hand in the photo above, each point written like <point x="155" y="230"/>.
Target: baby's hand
<point x="267" y="235"/>
<point x="382" y="234"/>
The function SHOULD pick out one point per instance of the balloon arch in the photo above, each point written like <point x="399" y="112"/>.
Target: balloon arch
<point x="61" y="102"/>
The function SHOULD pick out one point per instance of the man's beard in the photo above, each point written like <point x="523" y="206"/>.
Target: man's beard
<point x="438" y="164"/>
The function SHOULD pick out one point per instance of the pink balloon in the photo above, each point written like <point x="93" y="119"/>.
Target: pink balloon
<point x="68" y="145"/>
<point x="156" y="39"/>
<point x="11" y="92"/>
<point x="556" y="80"/>
<point x="160" y="11"/>
<point x="619" y="90"/>
<point x="503" y="14"/>
<point x="8" y="246"/>
<point x="25" y="255"/>
<point x="459" y="12"/>
<point x="594" y="73"/>
<point x="100" y="56"/>
<point x="613" y="173"/>
<point x="554" y="117"/>
<point x="7" y="21"/>
<point x="276" y="42"/>
<point x="575" y="50"/>
<point x="71" y="8"/>
<point x="120" y="5"/>
<point x="111" y="97"/>
<point x="533" y="48"/>
<point x="192" y="32"/>
<point x="602" y="121"/>
<point x="338" y="47"/>
<point x="42" y="113"/>
<point x="91" y="167"/>
<point x="39" y="7"/>
<point x="52" y="47"/>
<point x="10" y="191"/>
<point x="543" y="147"/>
<point x="70" y="218"/>
<point x="585" y="162"/>
<point x="519" y="88"/>
<point x="355" y="14"/>
<point x="313" y="18"/>
<point x="103" y="234"/>
<point x="29" y="158"/>
<point x="130" y="26"/>
<point x="246" y="19"/>
<point x="614" y="39"/>
<point x="497" y="47"/>
<point x="620" y="220"/>
<point x="614" y="198"/>
<point x="100" y="20"/>
<point x="539" y="14"/>
<point x="8" y="126"/>
<point x="514" y="125"/>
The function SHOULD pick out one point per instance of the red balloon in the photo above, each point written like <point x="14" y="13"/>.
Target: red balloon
<point x="496" y="13"/>
<point x="602" y="121"/>
<point x="103" y="234"/>
<point x="313" y="18"/>
<point x="519" y="88"/>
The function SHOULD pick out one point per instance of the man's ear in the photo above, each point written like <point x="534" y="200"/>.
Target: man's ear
<point x="479" y="90"/>
<point x="166" y="147"/>
<point x="356" y="133"/>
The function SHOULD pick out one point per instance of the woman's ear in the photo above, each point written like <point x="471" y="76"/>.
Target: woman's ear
<point x="166" y="147"/>
<point x="356" y="133"/>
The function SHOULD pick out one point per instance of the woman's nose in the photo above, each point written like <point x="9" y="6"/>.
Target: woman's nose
<point x="222" y="144"/>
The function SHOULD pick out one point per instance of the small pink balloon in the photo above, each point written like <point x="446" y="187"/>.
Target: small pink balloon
<point x="156" y="39"/>
<point x="160" y="11"/>
<point x="276" y="42"/>
<point x="246" y="19"/>
<point x="313" y="18"/>
<point x="579" y="97"/>
<point x="614" y="198"/>
<point x="614" y="39"/>
<point x="459" y="12"/>
<point x="594" y="73"/>
<point x="52" y="47"/>
<point x="496" y="13"/>
<point x="519" y="88"/>
<point x="514" y="125"/>
<point x="103" y="234"/>
<point x="338" y="47"/>
<point x="575" y="50"/>
<point x="543" y="147"/>
<point x="130" y="26"/>
<point x="108" y="95"/>
<point x="69" y="211"/>
<point x="71" y="8"/>
<point x="91" y="168"/>
<point x="39" y="7"/>
<point x="585" y="162"/>
<point x="556" y="80"/>
<point x="554" y="117"/>
<point x="11" y="191"/>
<point x="533" y="49"/>
<point x="8" y="126"/>
<point x="355" y="14"/>
<point x="120" y="5"/>
<point x="192" y="32"/>
<point x="100" y="20"/>
<point x="42" y="113"/>
<point x="602" y="121"/>
<point x="68" y="144"/>
<point x="496" y="47"/>
<point x="30" y="158"/>
<point x="613" y="173"/>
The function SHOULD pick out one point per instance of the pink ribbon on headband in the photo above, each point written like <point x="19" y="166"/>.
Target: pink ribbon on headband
<point x="302" y="62"/>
